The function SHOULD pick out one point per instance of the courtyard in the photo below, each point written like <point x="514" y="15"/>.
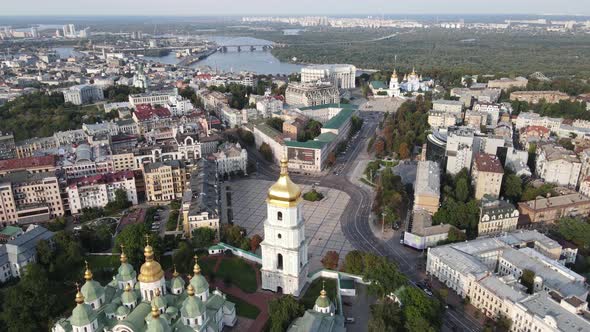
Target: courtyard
<point x="322" y="219"/>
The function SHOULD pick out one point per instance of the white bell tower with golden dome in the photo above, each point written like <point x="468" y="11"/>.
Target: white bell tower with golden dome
<point x="284" y="249"/>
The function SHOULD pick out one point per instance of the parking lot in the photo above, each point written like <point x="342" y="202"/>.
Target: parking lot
<point x="322" y="219"/>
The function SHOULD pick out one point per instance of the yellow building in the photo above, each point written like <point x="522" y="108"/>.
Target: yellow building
<point x="165" y="181"/>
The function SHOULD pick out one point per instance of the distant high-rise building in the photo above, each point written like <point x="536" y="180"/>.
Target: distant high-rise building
<point x="72" y="29"/>
<point x="35" y="32"/>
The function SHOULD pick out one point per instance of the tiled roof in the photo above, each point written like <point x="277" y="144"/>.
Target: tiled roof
<point x="488" y="163"/>
<point x="29" y="162"/>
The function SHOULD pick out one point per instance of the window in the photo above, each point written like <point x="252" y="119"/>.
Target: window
<point x="279" y="216"/>
<point x="279" y="261"/>
<point x="279" y="235"/>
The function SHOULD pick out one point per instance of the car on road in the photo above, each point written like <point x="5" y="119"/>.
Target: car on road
<point x="427" y="291"/>
<point x="349" y="320"/>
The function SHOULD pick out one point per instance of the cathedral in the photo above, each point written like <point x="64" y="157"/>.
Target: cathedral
<point x="284" y="249"/>
<point x="414" y="83"/>
<point x="148" y="302"/>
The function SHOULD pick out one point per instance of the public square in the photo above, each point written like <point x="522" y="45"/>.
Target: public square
<point x="322" y="219"/>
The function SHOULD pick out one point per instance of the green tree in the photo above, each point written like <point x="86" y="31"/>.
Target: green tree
<point x="512" y="187"/>
<point x="420" y="312"/>
<point x="203" y="237"/>
<point x="354" y="263"/>
<point x="120" y="203"/>
<point x="276" y="123"/>
<point x="134" y="239"/>
<point x="527" y="279"/>
<point x="385" y="316"/>
<point x="183" y="257"/>
<point x="462" y="190"/>
<point x="576" y="231"/>
<point x="266" y="151"/>
<point x="384" y="276"/>
<point x="282" y="311"/>
<point x="30" y="305"/>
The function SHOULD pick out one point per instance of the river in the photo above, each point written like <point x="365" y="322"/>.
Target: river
<point x="259" y="61"/>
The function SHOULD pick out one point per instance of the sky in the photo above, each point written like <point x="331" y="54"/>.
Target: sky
<point x="288" y="7"/>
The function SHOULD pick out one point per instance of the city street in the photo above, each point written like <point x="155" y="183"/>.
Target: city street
<point x="355" y="224"/>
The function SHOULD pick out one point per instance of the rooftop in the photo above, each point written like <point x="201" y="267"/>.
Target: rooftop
<point x="488" y="163"/>
<point x="556" y="202"/>
<point x="427" y="179"/>
<point x="29" y="162"/>
<point x="339" y="119"/>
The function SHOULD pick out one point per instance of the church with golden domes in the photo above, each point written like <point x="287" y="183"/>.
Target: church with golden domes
<point x="148" y="302"/>
<point x="284" y="249"/>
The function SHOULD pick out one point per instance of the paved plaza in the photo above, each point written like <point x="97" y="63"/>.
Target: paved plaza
<point x="322" y="219"/>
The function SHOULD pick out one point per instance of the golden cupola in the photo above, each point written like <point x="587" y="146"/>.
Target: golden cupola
<point x="394" y="74"/>
<point x="150" y="271"/>
<point x="284" y="192"/>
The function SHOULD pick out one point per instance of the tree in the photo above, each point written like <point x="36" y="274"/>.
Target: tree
<point x="282" y="311"/>
<point x="266" y="152"/>
<point x="512" y="187"/>
<point x="576" y="231"/>
<point x="420" y="312"/>
<point x="255" y="242"/>
<point x="120" y="203"/>
<point x="246" y="136"/>
<point x="503" y="324"/>
<point x="233" y="235"/>
<point x="30" y="305"/>
<point x="384" y="276"/>
<point x="330" y="260"/>
<point x="276" y="123"/>
<point x="183" y="257"/>
<point x="385" y="316"/>
<point x="379" y="147"/>
<point x="203" y="237"/>
<point x="527" y="279"/>
<point x="354" y="262"/>
<point x="462" y="190"/>
<point x="404" y="151"/>
<point x="133" y="237"/>
<point x="331" y="158"/>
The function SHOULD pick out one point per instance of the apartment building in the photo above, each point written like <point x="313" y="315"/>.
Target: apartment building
<point x="230" y="159"/>
<point x="459" y="149"/>
<point x="427" y="186"/>
<point x="506" y="83"/>
<point x="340" y="75"/>
<point x="488" y="271"/>
<point x="200" y="202"/>
<point x="29" y="197"/>
<point x="551" y="209"/>
<point x="21" y="251"/>
<point x="497" y="217"/>
<point x="83" y="94"/>
<point x="97" y="191"/>
<point x="487" y="175"/>
<point x="310" y="94"/>
<point x="440" y="119"/>
<point x="555" y="164"/>
<point x="165" y="181"/>
<point x="534" y="97"/>
<point x="526" y="119"/>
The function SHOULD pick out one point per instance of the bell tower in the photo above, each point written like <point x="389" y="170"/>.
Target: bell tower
<point x="284" y="249"/>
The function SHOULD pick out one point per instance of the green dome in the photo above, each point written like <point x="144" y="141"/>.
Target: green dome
<point x="82" y="315"/>
<point x="200" y="284"/>
<point x="177" y="283"/>
<point x="126" y="272"/>
<point x="122" y="311"/>
<point x="322" y="301"/>
<point x="171" y="311"/>
<point x="128" y="297"/>
<point x="159" y="302"/>
<point x="158" y="325"/>
<point x="92" y="290"/>
<point x="192" y="307"/>
<point x="110" y="308"/>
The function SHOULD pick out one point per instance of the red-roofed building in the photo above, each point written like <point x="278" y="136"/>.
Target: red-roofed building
<point x="533" y="134"/>
<point x="29" y="164"/>
<point x="145" y="112"/>
<point x="96" y="191"/>
<point x="487" y="175"/>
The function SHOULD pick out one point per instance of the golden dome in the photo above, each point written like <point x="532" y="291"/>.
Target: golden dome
<point x="79" y="296"/>
<point x="175" y="274"/>
<point x="151" y="270"/>
<point x="190" y="290"/>
<point x="123" y="257"/>
<point x="394" y="74"/>
<point x="155" y="312"/>
<point x="87" y="273"/>
<point x="128" y="287"/>
<point x="284" y="191"/>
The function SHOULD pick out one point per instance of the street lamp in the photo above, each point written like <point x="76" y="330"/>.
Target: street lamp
<point x="383" y="214"/>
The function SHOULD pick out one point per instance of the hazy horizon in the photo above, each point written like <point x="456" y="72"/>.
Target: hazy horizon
<point x="185" y="8"/>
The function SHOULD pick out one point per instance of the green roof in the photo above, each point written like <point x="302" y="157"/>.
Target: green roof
<point x="338" y="120"/>
<point x="128" y="297"/>
<point x="320" y="107"/>
<point x="346" y="284"/>
<point x="308" y="144"/>
<point x="378" y="85"/>
<point x="92" y="290"/>
<point x="177" y="283"/>
<point x="322" y="301"/>
<point x="159" y="325"/>
<point x="326" y="137"/>
<point x="199" y="283"/>
<point x="126" y="272"/>
<point x="192" y="307"/>
<point x="82" y="315"/>
<point x="10" y="231"/>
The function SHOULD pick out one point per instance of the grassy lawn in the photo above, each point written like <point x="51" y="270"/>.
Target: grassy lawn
<point x="244" y="309"/>
<point x="239" y="273"/>
<point x="207" y="265"/>
<point x="103" y="262"/>
<point x="312" y="293"/>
